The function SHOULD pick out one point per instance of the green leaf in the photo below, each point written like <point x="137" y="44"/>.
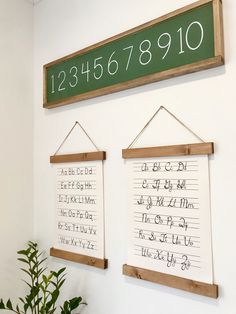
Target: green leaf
<point x="61" y="271"/>
<point x="61" y="283"/>
<point x="43" y="260"/>
<point x="38" y="301"/>
<point x="9" y="305"/>
<point x="40" y="271"/>
<point x="75" y="302"/>
<point x="55" y="295"/>
<point x="32" y="256"/>
<point x="32" y="245"/>
<point x="63" y="276"/>
<point x="23" y="260"/>
<point x="26" y="306"/>
<point x="27" y="283"/>
<point x="35" y="266"/>
<point x="2" y="306"/>
<point x="54" y="284"/>
<point x="34" y="292"/>
<point x="27" y="272"/>
<point x="66" y="306"/>
<point x="45" y="279"/>
<point x="22" y="300"/>
<point x="23" y="252"/>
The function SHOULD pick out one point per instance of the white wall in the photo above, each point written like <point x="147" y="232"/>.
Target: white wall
<point x="205" y="101"/>
<point x="16" y="138"/>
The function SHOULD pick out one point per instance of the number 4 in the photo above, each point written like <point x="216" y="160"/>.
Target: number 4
<point x="85" y="70"/>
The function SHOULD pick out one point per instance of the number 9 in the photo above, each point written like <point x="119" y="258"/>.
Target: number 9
<point x="166" y="45"/>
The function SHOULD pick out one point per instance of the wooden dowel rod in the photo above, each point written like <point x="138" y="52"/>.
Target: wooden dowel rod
<point x="90" y="156"/>
<point x="197" y="287"/>
<point x="173" y="150"/>
<point x="79" y="258"/>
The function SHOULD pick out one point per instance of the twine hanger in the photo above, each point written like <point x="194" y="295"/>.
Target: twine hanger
<point x="173" y="116"/>
<point x="65" y="139"/>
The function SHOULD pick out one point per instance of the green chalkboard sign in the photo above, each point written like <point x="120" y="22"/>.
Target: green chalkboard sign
<point x="184" y="41"/>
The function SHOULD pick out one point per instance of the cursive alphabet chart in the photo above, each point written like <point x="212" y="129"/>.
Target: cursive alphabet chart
<point x="169" y="216"/>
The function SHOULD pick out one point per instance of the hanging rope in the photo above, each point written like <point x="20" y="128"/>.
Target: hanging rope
<point x="155" y="114"/>
<point x="69" y="133"/>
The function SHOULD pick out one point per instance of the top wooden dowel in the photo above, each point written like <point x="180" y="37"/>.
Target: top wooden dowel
<point x="173" y="150"/>
<point x="100" y="155"/>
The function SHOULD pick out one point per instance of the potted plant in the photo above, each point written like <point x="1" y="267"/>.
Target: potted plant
<point x="44" y="289"/>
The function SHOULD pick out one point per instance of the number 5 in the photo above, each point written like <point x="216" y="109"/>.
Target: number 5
<point x="99" y="67"/>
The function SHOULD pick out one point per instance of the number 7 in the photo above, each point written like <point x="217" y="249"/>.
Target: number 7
<point x="129" y="57"/>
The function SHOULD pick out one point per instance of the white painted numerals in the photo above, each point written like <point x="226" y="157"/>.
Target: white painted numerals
<point x="112" y="65"/>
<point x="164" y="42"/>
<point x="74" y="74"/>
<point x="98" y="68"/>
<point x="145" y="55"/>
<point x="61" y="77"/>
<point x="130" y="51"/>
<point x="85" y="70"/>
<point x="185" y="39"/>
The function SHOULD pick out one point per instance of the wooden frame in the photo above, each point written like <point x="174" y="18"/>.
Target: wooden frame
<point x="100" y="155"/>
<point x="201" y="288"/>
<point x="215" y="61"/>
<point x="173" y="150"/>
<point x="79" y="258"/>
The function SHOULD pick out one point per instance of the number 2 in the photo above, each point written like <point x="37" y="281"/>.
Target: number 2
<point x="61" y="75"/>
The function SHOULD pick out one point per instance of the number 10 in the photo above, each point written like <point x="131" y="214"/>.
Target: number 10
<point x="180" y="31"/>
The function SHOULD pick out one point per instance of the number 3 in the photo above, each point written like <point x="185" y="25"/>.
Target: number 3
<point x="74" y="75"/>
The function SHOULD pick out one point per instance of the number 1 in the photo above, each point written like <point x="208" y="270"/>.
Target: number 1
<point x="180" y="31"/>
<point x="53" y="84"/>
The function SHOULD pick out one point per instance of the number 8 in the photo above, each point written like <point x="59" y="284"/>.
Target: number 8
<point x="145" y="51"/>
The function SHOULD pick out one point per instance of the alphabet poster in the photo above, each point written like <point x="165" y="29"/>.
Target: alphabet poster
<point x="79" y="208"/>
<point x="169" y="216"/>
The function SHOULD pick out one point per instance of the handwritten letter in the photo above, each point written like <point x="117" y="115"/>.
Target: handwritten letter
<point x="169" y="228"/>
<point x="79" y="208"/>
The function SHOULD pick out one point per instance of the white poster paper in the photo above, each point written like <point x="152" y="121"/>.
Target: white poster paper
<point x="79" y="208"/>
<point x="169" y="208"/>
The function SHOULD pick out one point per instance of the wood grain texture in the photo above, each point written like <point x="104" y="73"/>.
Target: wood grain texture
<point x="100" y="155"/>
<point x="79" y="258"/>
<point x="218" y="28"/>
<point x="45" y="83"/>
<point x="201" y="288"/>
<point x="173" y="150"/>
